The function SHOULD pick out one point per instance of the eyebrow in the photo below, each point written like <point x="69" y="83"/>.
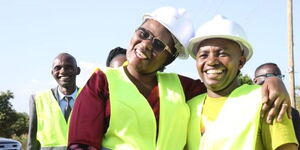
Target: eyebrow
<point x="144" y="29"/>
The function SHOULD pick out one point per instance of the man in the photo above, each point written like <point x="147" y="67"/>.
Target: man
<point x="50" y="109"/>
<point x="266" y="70"/>
<point x="228" y="116"/>
<point x="272" y="70"/>
<point x="135" y="106"/>
<point x="116" y="57"/>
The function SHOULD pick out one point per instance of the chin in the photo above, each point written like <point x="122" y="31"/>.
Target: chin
<point x="213" y="86"/>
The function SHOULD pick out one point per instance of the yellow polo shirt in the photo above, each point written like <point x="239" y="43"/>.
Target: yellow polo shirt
<point x="269" y="136"/>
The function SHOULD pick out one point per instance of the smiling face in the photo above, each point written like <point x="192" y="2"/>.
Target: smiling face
<point x="64" y="71"/>
<point x="142" y="56"/>
<point x="218" y="63"/>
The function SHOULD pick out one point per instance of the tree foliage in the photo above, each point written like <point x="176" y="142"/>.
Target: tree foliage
<point x="11" y="122"/>
<point x="245" y="79"/>
<point x="20" y="126"/>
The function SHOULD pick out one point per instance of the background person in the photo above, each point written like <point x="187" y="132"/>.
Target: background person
<point x="50" y="109"/>
<point x="116" y="57"/>
<point x="228" y="116"/>
<point x="272" y="70"/>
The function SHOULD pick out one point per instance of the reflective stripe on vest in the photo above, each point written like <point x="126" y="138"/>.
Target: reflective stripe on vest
<point x="132" y="123"/>
<point x="236" y="126"/>
<point x="52" y="129"/>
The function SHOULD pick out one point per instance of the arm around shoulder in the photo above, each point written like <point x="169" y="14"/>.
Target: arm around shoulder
<point x="276" y="99"/>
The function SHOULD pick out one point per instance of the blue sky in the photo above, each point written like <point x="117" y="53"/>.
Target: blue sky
<point x="33" y="32"/>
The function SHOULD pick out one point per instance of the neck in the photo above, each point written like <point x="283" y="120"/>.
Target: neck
<point x="144" y="82"/>
<point x="224" y="92"/>
<point x="147" y="79"/>
<point x="67" y="91"/>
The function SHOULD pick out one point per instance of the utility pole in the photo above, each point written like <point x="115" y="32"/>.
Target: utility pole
<point x="291" y="71"/>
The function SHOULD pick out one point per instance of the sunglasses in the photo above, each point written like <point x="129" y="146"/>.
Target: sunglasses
<point x="157" y="44"/>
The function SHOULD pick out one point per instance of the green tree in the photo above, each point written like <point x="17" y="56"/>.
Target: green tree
<point x="245" y="79"/>
<point x="7" y="114"/>
<point x="20" y="126"/>
<point x="11" y="122"/>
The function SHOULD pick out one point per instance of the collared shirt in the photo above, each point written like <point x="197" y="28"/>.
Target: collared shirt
<point x="63" y="102"/>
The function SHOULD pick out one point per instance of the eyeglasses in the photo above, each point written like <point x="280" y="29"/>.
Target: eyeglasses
<point x="281" y="76"/>
<point x="260" y="82"/>
<point x="157" y="44"/>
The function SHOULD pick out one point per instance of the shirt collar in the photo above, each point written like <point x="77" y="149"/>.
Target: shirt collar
<point x="61" y="95"/>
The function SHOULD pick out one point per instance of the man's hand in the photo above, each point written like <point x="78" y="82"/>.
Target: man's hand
<point x="276" y="100"/>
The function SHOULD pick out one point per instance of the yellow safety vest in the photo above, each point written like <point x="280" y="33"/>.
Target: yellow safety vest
<point x="132" y="123"/>
<point x="236" y="126"/>
<point x="52" y="129"/>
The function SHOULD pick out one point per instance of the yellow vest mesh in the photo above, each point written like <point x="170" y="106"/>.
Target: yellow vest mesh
<point x="52" y="129"/>
<point x="132" y="123"/>
<point x="236" y="126"/>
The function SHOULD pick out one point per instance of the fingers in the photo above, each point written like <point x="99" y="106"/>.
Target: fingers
<point x="80" y="147"/>
<point x="275" y="110"/>
<point x="74" y="147"/>
<point x="283" y="109"/>
<point x="265" y="93"/>
<point x="271" y="115"/>
<point x="92" y="148"/>
<point x="265" y="98"/>
<point x="289" y="109"/>
<point x="265" y="109"/>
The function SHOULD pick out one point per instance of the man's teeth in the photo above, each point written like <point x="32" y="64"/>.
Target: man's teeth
<point x="214" y="71"/>
<point x="140" y="54"/>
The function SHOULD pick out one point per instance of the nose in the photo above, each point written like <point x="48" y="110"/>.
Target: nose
<point x="212" y="60"/>
<point x="147" y="44"/>
<point x="63" y="70"/>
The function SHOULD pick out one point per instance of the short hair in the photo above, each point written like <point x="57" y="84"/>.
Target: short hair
<point x="65" y="55"/>
<point x="277" y="69"/>
<point x="113" y="53"/>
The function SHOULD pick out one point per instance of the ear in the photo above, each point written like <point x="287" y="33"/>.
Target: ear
<point x="78" y="71"/>
<point x="242" y="62"/>
<point x="254" y="80"/>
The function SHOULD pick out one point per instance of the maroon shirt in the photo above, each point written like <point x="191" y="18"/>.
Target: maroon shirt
<point x="91" y="112"/>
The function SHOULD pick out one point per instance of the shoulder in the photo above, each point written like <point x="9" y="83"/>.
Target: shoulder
<point x="42" y="92"/>
<point x="192" y="87"/>
<point x="278" y="133"/>
<point x="98" y="74"/>
<point x="96" y="83"/>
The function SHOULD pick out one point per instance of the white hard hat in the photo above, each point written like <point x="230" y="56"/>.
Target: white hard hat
<point x="221" y="27"/>
<point x="177" y="21"/>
